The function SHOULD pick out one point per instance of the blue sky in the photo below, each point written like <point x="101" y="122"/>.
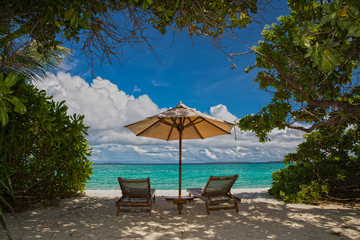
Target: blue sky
<point x="196" y="73"/>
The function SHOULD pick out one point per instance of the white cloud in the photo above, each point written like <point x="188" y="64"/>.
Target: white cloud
<point x="139" y="150"/>
<point x="210" y="154"/>
<point x="69" y="63"/>
<point x="108" y="109"/>
<point x="220" y="111"/>
<point x="136" y="89"/>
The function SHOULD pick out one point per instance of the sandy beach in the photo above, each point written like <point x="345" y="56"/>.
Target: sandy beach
<point x="93" y="216"/>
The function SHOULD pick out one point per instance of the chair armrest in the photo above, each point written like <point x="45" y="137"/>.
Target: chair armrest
<point x="197" y="192"/>
<point x="236" y="198"/>
<point x="152" y="193"/>
<point x="119" y="200"/>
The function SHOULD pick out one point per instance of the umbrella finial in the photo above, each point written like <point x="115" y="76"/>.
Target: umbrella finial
<point x="180" y="105"/>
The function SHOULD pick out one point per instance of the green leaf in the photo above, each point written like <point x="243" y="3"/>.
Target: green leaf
<point x="58" y="24"/>
<point x="11" y="80"/>
<point x="3" y="30"/>
<point x="353" y="11"/>
<point x="326" y="7"/>
<point x="69" y="14"/>
<point x="162" y="30"/>
<point x="169" y="13"/>
<point x="354" y="28"/>
<point x="167" y="19"/>
<point x="5" y="90"/>
<point x="72" y="21"/>
<point x="19" y="107"/>
<point x="343" y="23"/>
<point x="4" y="117"/>
<point x="144" y="5"/>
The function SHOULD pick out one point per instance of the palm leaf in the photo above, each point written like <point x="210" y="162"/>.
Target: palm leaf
<point x="33" y="65"/>
<point x="3" y="224"/>
<point x="5" y="184"/>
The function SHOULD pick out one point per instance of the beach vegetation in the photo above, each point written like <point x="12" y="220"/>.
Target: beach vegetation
<point x="325" y="167"/>
<point x="43" y="150"/>
<point x="309" y="63"/>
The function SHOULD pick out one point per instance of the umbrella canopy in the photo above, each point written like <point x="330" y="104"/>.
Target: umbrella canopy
<point x="180" y="122"/>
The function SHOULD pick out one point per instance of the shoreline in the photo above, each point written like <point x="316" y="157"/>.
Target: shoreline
<point x="93" y="216"/>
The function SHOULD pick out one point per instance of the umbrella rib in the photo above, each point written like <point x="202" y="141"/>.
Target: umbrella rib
<point x="169" y="124"/>
<point x="165" y="122"/>
<point x="168" y="138"/>
<point x="147" y="128"/>
<point x="192" y="123"/>
<point x="175" y="124"/>
<point x="218" y="126"/>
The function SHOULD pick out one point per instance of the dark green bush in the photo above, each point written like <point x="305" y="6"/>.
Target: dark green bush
<point x="325" y="167"/>
<point x="43" y="152"/>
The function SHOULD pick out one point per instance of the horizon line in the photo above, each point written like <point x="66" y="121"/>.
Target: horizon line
<point x="200" y="163"/>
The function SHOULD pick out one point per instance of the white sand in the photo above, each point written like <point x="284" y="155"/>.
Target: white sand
<point x="261" y="217"/>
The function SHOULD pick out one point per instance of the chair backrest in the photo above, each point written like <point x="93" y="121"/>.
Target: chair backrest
<point x="219" y="185"/>
<point x="135" y="188"/>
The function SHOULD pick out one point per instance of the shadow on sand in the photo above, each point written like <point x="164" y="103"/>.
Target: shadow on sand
<point x="260" y="217"/>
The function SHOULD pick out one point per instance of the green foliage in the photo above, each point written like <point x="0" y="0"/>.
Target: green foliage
<point x="309" y="62"/>
<point x="266" y="122"/>
<point x="326" y="166"/>
<point x="43" y="152"/>
<point x="211" y="18"/>
<point x="29" y="63"/>
<point x="104" y="27"/>
<point x="9" y="102"/>
<point x="295" y="184"/>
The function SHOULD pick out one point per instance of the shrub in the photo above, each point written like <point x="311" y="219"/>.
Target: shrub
<point x="325" y="167"/>
<point x="43" y="152"/>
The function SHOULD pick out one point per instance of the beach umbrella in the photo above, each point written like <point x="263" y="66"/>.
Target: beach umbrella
<point x="178" y="123"/>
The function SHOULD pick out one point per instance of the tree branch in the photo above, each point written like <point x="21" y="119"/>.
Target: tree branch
<point x="352" y="111"/>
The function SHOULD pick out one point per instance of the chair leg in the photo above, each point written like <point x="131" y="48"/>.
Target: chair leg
<point x="118" y="209"/>
<point x="207" y="209"/>
<point x="237" y="206"/>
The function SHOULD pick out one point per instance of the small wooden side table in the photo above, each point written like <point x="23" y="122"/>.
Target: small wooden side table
<point x="180" y="202"/>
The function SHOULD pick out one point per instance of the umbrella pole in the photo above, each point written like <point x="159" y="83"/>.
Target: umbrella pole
<point x="180" y="201"/>
<point x="180" y="143"/>
<point x="180" y="150"/>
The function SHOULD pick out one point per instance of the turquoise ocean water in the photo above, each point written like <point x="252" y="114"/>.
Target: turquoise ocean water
<point x="166" y="177"/>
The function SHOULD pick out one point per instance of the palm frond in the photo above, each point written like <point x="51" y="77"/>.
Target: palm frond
<point x="3" y="224"/>
<point x="29" y="62"/>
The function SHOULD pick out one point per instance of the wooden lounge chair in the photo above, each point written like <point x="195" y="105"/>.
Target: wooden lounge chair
<point x="217" y="193"/>
<point x="136" y="193"/>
